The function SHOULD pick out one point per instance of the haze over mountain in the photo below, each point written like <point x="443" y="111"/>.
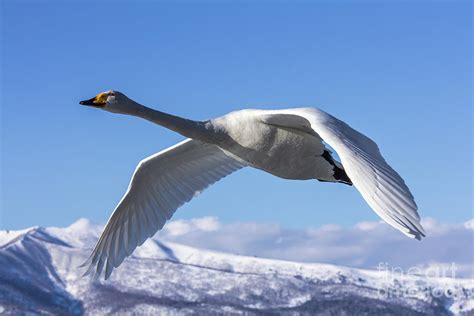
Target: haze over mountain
<point x="38" y="273"/>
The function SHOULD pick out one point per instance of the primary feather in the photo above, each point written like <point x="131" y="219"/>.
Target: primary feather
<point x="161" y="183"/>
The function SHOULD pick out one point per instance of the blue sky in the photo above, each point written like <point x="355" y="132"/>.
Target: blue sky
<point x="399" y="72"/>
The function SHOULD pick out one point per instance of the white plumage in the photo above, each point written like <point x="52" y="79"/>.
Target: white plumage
<point x="286" y="143"/>
<point x="160" y="184"/>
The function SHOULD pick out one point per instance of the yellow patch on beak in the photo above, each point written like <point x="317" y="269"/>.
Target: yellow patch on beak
<point x="101" y="98"/>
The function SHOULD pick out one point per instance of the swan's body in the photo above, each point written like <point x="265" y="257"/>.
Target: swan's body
<point x="285" y="152"/>
<point x="286" y="143"/>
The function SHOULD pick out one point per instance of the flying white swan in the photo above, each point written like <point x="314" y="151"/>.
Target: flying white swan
<point x="286" y="143"/>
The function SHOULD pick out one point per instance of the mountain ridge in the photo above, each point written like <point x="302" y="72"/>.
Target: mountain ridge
<point x="38" y="270"/>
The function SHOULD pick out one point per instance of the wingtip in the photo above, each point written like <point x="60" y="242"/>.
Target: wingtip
<point x="90" y="270"/>
<point x="418" y="235"/>
<point x="86" y="273"/>
<point x="415" y="234"/>
<point x="82" y="265"/>
<point x="421" y="232"/>
<point x="94" y="273"/>
<point x="421" y="235"/>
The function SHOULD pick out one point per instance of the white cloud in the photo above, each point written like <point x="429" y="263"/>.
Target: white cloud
<point x="183" y="227"/>
<point x="365" y="245"/>
<point x="367" y="225"/>
<point x="469" y="224"/>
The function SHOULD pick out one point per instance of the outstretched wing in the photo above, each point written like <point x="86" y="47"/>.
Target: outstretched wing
<point x="161" y="183"/>
<point x="381" y="186"/>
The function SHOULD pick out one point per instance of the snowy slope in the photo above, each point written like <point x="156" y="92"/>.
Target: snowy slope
<point x="38" y="273"/>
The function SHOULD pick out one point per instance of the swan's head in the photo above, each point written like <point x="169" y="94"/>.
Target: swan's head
<point x="112" y="101"/>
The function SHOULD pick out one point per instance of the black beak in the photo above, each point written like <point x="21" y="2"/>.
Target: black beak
<point x="88" y="102"/>
<point x="92" y="102"/>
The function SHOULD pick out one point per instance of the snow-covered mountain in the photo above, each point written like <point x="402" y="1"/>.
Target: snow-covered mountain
<point x="39" y="274"/>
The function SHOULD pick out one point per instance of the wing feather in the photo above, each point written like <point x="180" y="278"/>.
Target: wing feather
<point x="381" y="186"/>
<point x="160" y="184"/>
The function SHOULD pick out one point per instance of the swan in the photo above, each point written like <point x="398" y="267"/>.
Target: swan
<point x="289" y="144"/>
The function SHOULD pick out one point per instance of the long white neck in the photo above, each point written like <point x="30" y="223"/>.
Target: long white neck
<point x="185" y="127"/>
